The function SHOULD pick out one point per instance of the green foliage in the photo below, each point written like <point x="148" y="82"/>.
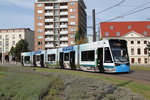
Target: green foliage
<point x="80" y="37"/>
<point x="21" y="46"/>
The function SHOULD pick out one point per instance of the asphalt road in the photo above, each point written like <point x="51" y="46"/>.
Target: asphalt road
<point x="140" y="76"/>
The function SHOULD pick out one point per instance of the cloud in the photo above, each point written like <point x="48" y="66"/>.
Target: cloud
<point x="27" y="4"/>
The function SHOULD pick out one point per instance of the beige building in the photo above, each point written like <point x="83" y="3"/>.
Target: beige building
<point x="137" y="44"/>
<point x="9" y="38"/>
<point x="57" y="21"/>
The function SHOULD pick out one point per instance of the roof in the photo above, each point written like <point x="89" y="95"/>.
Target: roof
<point x="112" y="28"/>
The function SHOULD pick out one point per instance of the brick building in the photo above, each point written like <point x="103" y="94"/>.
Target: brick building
<point x="57" y="21"/>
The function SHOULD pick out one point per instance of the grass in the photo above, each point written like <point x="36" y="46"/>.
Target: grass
<point x="135" y="87"/>
<point x="140" y="68"/>
<point x="31" y="86"/>
<point x="21" y="86"/>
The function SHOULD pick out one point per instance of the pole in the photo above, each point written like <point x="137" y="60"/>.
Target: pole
<point x="94" y="29"/>
<point x="3" y="53"/>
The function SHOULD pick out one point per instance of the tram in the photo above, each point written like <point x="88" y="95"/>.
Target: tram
<point x="109" y="56"/>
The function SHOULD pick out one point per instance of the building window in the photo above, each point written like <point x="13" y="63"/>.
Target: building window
<point x="40" y="37"/>
<point x="39" y="17"/>
<point x="13" y="36"/>
<point x="132" y="42"/>
<point x="72" y="23"/>
<point x="56" y="6"/>
<point x="129" y="26"/>
<point x="106" y="33"/>
<point x="73" y="10"/>
<point x="145" y="60"/>
<point x="132" y="60"/>
<point x="132" y="51"/>
<point x="39" y="11"/>
<point x="0" y="36"/>
<point x="56" y="18"/>
<point x="148" y="26"/>
<point x="145" y="42"/>
<point x="0" y="43"/>
<point x="139" y="60"/>
<point x="39" y="30"/>
<point x="39" y="24"/>
<point x="72" y="3"/>
<point x="111" y="27"/>
<point x="72" y="36"/>
<point x="72" y="42"/>
<point x="72" y="29"/>
<point x="117" y="33"/>
<point x="56" y="25"/>
<point x="72" y="16"/>
<point x="39" y="43"/>
<point x="138" y="42"/>
<point x="20" y="36"/>
<point x="138" y="51"/>
<point x="39" y="5"/>
<point x="145" y="51"/>
<point x="13" y="42"/>
<point x="145" y="33"/>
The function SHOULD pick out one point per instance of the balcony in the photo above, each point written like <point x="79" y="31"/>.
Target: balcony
<point x="49" y="39"/>
<point x="63" y="45"/>
<point x="64" y="7"/>
<point x="49" y="33"/>
<point x="63" y="32"/>
<point x="49" y="14"/>
<point x="64" y="26"/>
<point x="63" y="13"/>
<point x="49" y="20"/>
<point x="49" y="45"/>
<point x="63" y="19"/>
<point x="48" y="8"/>
<point x="64" y="39"/>
<point x="48" y="26"/>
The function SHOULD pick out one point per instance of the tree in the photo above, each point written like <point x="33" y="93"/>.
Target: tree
<point x="80" y="37"/>
<point x="21" y="46"/>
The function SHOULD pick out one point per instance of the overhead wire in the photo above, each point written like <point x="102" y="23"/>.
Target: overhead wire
<point x="108" y="8"/>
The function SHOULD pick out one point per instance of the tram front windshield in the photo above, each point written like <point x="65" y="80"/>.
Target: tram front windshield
<point x="119" y="50"/>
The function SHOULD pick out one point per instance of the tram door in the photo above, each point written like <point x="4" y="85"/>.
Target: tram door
<point x="72" y="60"/>
<point x="42" y="60"/>
<point x="100" y="60"/>
<point x="61" y="60"/>
<point x="34" y="60"/>
<point x="22" y="60"/>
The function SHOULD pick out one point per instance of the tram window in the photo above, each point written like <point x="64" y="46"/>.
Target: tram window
<point x="38" y="58"/>
<point x="27" y="58"/>
<point x="51" y="57"/>
<point x="88" y="55"/>
<point x="66" y="57"/>
<point x="108" y="58"/>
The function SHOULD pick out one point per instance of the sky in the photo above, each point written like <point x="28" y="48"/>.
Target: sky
<point x="20" y="13"/>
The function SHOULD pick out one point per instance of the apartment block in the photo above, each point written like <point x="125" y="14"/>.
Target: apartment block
<point x="10" y="37"/>
<point x="137" y="35"/>
<point x="57" y="21"/>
